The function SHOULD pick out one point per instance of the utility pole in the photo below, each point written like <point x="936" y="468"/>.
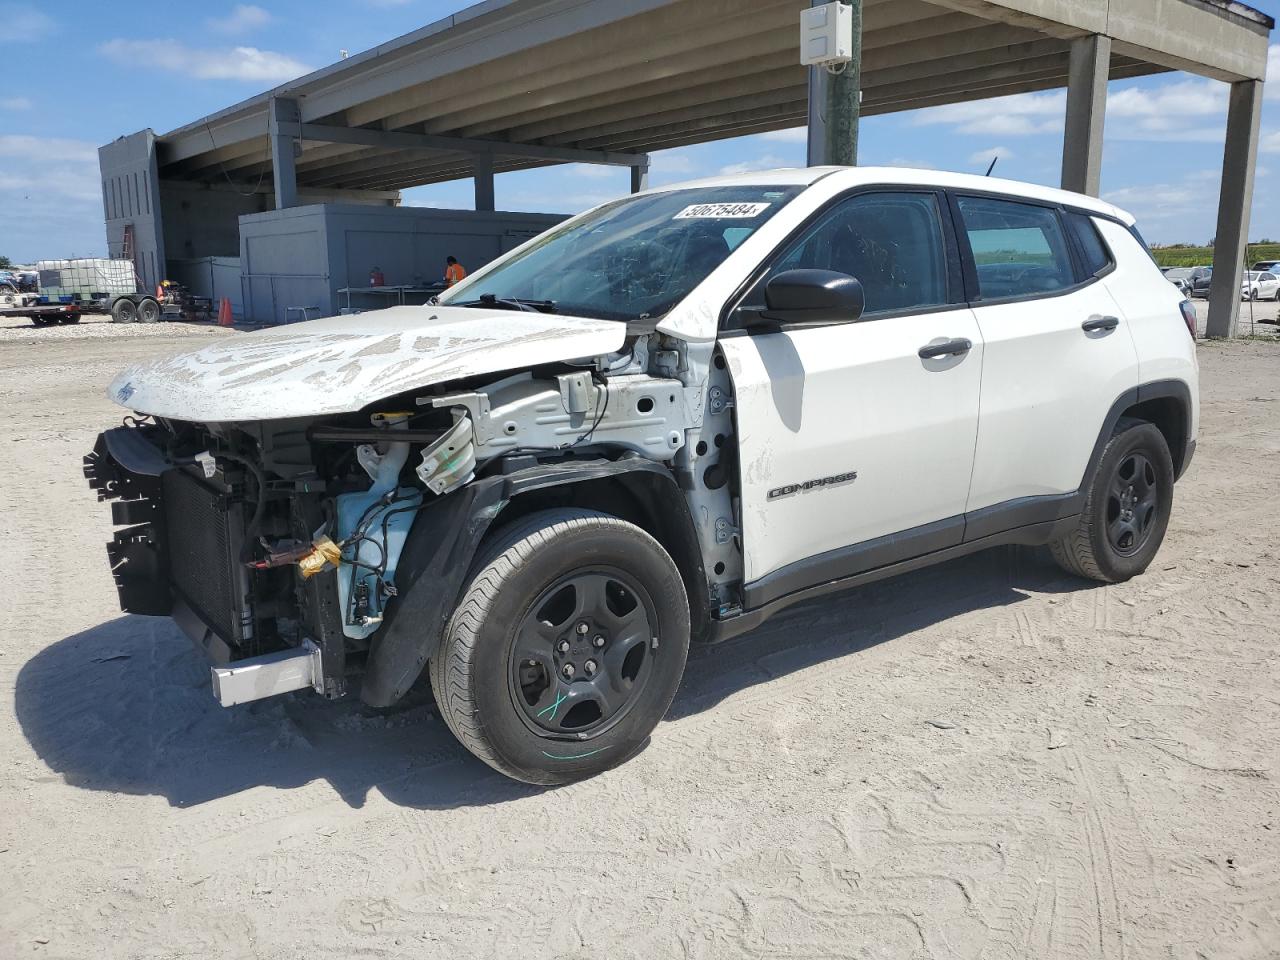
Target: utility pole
<point x="835" y="99"/>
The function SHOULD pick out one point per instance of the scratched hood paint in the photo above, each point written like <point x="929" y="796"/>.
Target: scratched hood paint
<point x="343" y="364"/>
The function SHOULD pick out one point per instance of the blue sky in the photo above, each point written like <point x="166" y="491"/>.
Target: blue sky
<point x="77" y="73"/>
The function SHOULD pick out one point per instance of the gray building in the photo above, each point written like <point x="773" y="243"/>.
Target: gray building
<point x="514" y="84"/>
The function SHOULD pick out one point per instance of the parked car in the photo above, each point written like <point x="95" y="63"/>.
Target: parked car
<point x="658" y="423"/>
<point x="1200" y="279"/>
<point x="12" y="298"/>
<point x="1180" y="277"/>
<point x="1256" y="285"/>
<point x="1268" y="266"/>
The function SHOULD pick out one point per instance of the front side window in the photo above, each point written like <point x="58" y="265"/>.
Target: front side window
<point x="632" y="260"/>
<point x="1019" y="249"/>
<point x="892" y="243"/>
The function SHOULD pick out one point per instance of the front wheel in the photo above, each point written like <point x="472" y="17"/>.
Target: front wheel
<point x="566" y="648"/>
<point x="1126" y="509"/>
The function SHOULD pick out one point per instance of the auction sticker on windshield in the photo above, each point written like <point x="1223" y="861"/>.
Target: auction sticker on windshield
<point x="722" y="211"/>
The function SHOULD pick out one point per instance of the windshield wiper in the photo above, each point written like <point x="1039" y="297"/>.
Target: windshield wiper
<point x="511" y="303"/>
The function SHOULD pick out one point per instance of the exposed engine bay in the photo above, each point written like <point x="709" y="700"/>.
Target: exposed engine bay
<point x="293" y="541"/>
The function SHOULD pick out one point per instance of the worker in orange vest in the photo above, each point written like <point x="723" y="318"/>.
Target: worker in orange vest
<point x="453" y="271"/>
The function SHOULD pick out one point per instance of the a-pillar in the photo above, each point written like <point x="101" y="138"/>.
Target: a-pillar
<point x="1089" y="67"/>
<point x="1238" y="160"/>
<point x="282" y="132"/>
<point x="482" y="167"/>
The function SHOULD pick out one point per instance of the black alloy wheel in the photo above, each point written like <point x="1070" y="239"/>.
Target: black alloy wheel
<point x="581" y="656"/>
<point x="1133" y="501"/>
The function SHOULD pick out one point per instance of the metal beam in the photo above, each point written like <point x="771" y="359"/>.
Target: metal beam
<point x="427" y="141"/>
<point x="282" y="117"/>
<point x="1089" y="68"/>
<point x="1244" y="113"/>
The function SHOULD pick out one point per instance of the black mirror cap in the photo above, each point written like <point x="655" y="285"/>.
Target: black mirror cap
<point x="813" y="296"/>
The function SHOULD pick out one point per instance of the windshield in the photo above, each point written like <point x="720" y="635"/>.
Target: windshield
<point x="630" y="260"/>
<point x="1178" y="273"/>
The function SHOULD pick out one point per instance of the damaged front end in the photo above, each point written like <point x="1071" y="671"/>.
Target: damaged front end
<point x="287" y="549"/>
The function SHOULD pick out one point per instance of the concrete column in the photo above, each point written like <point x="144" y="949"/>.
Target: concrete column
<point x="835" y="103"/>
<point x="1239" y="157"/>
<point x="482" y="166"/>
<point x="817" y="149"/>
<point x="639" y="178"/>
<point x="283" y="132"/>
<point x="1089" y="67"/>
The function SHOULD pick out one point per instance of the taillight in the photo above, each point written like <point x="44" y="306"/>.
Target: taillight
<point x="1189" y="316"/>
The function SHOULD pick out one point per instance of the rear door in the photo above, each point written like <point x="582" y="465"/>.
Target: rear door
<point x="847" y="435"/>
<point x="1057" y="354"/>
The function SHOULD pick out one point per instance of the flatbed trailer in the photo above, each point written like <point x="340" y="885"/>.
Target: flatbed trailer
<point x="123" y="308"/>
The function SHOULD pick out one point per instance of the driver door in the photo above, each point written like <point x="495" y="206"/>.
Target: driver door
<point x="856" y="450"/>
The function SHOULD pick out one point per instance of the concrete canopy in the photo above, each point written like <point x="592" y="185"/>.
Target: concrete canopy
<point x="513" y="84"/>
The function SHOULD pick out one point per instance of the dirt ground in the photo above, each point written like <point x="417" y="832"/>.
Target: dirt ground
<point x="985" y="759"/>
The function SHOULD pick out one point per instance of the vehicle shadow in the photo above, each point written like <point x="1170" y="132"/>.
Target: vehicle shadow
<point x="126" y="706"/>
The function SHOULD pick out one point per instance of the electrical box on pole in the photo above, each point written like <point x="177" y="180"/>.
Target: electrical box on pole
<point x="826" y="35"/>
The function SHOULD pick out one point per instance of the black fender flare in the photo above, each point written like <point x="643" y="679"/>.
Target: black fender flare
<point x="1177" y="390"/>
<point x="438" y="554"/>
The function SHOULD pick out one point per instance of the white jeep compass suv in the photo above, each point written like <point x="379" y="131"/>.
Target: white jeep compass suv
<point x="659" y="422"/>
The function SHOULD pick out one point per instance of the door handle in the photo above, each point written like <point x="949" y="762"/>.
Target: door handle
<point x="947" y="348"/>
<point x="1100" y="323"/>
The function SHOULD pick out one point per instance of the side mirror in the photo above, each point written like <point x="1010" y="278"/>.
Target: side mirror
<point x="812" y="296"/>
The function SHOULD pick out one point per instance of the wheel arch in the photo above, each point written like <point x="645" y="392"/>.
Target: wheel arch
<point x="1166" y="404"/>
<point x="447" y="535"/>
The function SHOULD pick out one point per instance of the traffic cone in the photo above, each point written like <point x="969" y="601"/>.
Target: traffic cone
<point x="224" y="314"/>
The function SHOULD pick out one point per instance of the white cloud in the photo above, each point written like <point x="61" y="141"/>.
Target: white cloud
<point x="592" y="171"/>
<point x="243" y="18"/>
<point x="235" y="63"/>
<point x="767" y="161"/>
<point x="16" y="103"/>
<point x="984" y="157"/>
<point x="50" y="198"/>
<point x="1271" y="89"/>
<point x="790" y="135"/>
<point x="1024" y="114"/>
<point x="24" y="22"/>
<point x="672" y="161"/>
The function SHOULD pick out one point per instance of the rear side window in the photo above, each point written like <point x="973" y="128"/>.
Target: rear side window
<point x="1019" y="249"/>
<point x="1093" y="252"/>
<point x="891" y="242"/>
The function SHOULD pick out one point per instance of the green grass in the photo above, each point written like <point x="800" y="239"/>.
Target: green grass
<point x="1203" y="256"/>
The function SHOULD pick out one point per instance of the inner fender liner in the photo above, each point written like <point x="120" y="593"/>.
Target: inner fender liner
<point x="437" y="558"/>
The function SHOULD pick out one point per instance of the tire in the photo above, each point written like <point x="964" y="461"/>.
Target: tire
<point x="148" y="310"/>
<point x="1104" y="546"/>
<point x="499" y="675"/>
<point x="42" y="322"/>
<point x="124" y="310"/>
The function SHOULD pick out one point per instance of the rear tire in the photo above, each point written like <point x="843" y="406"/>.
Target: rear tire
<point x="1126" y="510"/>
<point x="124" y="310"/>
<point x="516" y="639"/>
<point x="148" y="310"/>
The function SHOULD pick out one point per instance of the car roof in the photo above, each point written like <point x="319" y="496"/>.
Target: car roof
<point x="850" y="177"/>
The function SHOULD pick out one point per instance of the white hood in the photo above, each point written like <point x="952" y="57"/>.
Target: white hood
<point x="343" y="364"/>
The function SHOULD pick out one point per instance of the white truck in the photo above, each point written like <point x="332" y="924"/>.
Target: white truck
<point x="657" y="423"/>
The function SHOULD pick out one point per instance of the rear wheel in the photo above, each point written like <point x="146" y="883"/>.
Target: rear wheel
<point x="148" y="311"/>
<point x="1126" y="510"/>
<point x="124" y="310"/>
<point x="566" y="649"/>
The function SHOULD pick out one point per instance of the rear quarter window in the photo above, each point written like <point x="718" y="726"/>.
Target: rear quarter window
<point x="1095" y="257"/>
